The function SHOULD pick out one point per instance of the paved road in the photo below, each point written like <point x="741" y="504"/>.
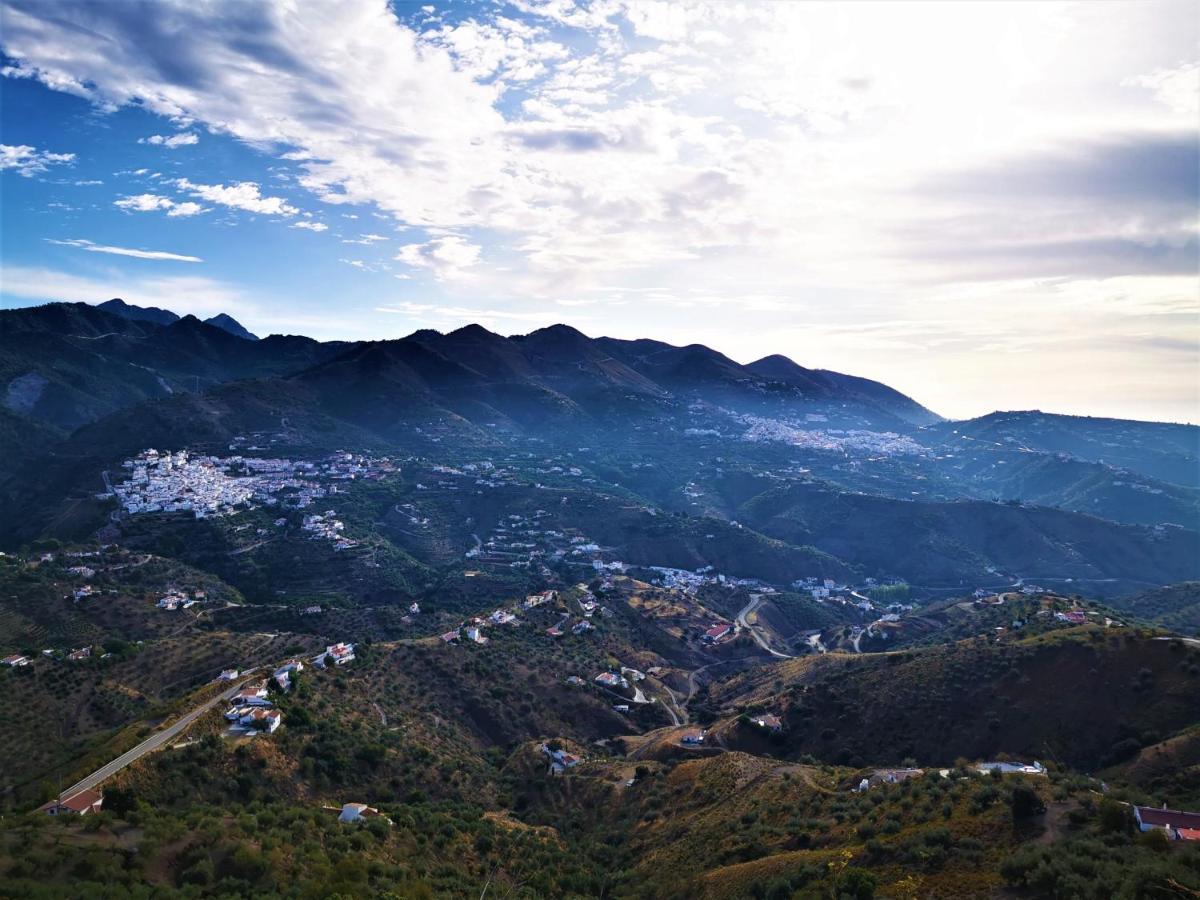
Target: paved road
<point x="153" y="742"/>
<point x="756" y="599"/>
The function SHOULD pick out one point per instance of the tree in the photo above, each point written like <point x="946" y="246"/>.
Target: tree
<point x="1114" y="817"/>
<point x="1025" y="803"/>
<point x="856" y="884"/>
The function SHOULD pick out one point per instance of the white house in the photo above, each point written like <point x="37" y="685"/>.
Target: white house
<point x="360" y="812"/>
<point x="262" y="719"/>
<point x="341" y="653"/>
<point x="1006" y="768"/>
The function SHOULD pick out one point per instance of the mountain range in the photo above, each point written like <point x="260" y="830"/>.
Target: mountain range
<point x="887" y="484"/>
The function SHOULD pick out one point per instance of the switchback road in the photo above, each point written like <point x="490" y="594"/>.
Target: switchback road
<point x="755" y="600"/>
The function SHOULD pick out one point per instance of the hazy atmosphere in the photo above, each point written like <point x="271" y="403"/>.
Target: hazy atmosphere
<point x="987" y="206"/>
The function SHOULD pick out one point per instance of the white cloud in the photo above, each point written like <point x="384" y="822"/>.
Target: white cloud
<point x="144" y="203"/>
<point x="156" y="202"/>
<point x="311" y="226"/>
<point x="123" y="251"/>
<point x="447" y="257"/>
<point x="244" y="195"/>
<point x="187" y="208"/>
<point x="1177" y="87"/>
<point x="184" y="139"/>
<point x="366" y="239"/>
<point x="798" y="160"/>
<point x="29" y="161"/>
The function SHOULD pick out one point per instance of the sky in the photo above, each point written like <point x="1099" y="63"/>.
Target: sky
<point x="986" y="206"/>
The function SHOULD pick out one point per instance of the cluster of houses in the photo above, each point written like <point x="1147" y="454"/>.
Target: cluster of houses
<point x="327" y="526"/>
<point x="215" y="486"/>
<point x="16" y="660"/>
<point x="852" y="441"/>
<point x="250" y="712"/>
<point x="691" y="581"/>
<point x="895" y="776"/>
<point x="472" y="629"/>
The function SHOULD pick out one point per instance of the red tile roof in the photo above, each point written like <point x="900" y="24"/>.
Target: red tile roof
<point x="83" y="800"/>
<point x="1168" y="818"/>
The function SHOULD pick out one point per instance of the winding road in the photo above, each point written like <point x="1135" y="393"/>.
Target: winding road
<point x="755" y="600"/>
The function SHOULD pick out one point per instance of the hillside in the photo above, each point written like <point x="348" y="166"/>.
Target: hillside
<point x="978" y="699"/>
<point x="952" y="544"/>
<point x="1175" y="606"/>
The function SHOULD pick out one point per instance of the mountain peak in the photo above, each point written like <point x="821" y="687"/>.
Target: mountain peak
<point x="474" y="330"/>
<point x="119" y="307"/>
<point x="232" y="325"/>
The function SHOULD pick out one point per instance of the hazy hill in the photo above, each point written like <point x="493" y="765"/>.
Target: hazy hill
<point x="972" y="542"/>
<point x="1161" y="450"/>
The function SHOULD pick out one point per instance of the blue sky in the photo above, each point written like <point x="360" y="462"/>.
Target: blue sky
<point x="985" y="205"/>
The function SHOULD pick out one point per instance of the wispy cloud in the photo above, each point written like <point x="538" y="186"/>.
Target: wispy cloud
<point x="311" y="226"/>
<point x="124" y="251"/>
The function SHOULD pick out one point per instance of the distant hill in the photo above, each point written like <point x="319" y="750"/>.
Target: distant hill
<point x="1176" y="606"/>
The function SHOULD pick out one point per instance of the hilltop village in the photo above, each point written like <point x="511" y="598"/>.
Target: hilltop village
<point x="218" y="486"/>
